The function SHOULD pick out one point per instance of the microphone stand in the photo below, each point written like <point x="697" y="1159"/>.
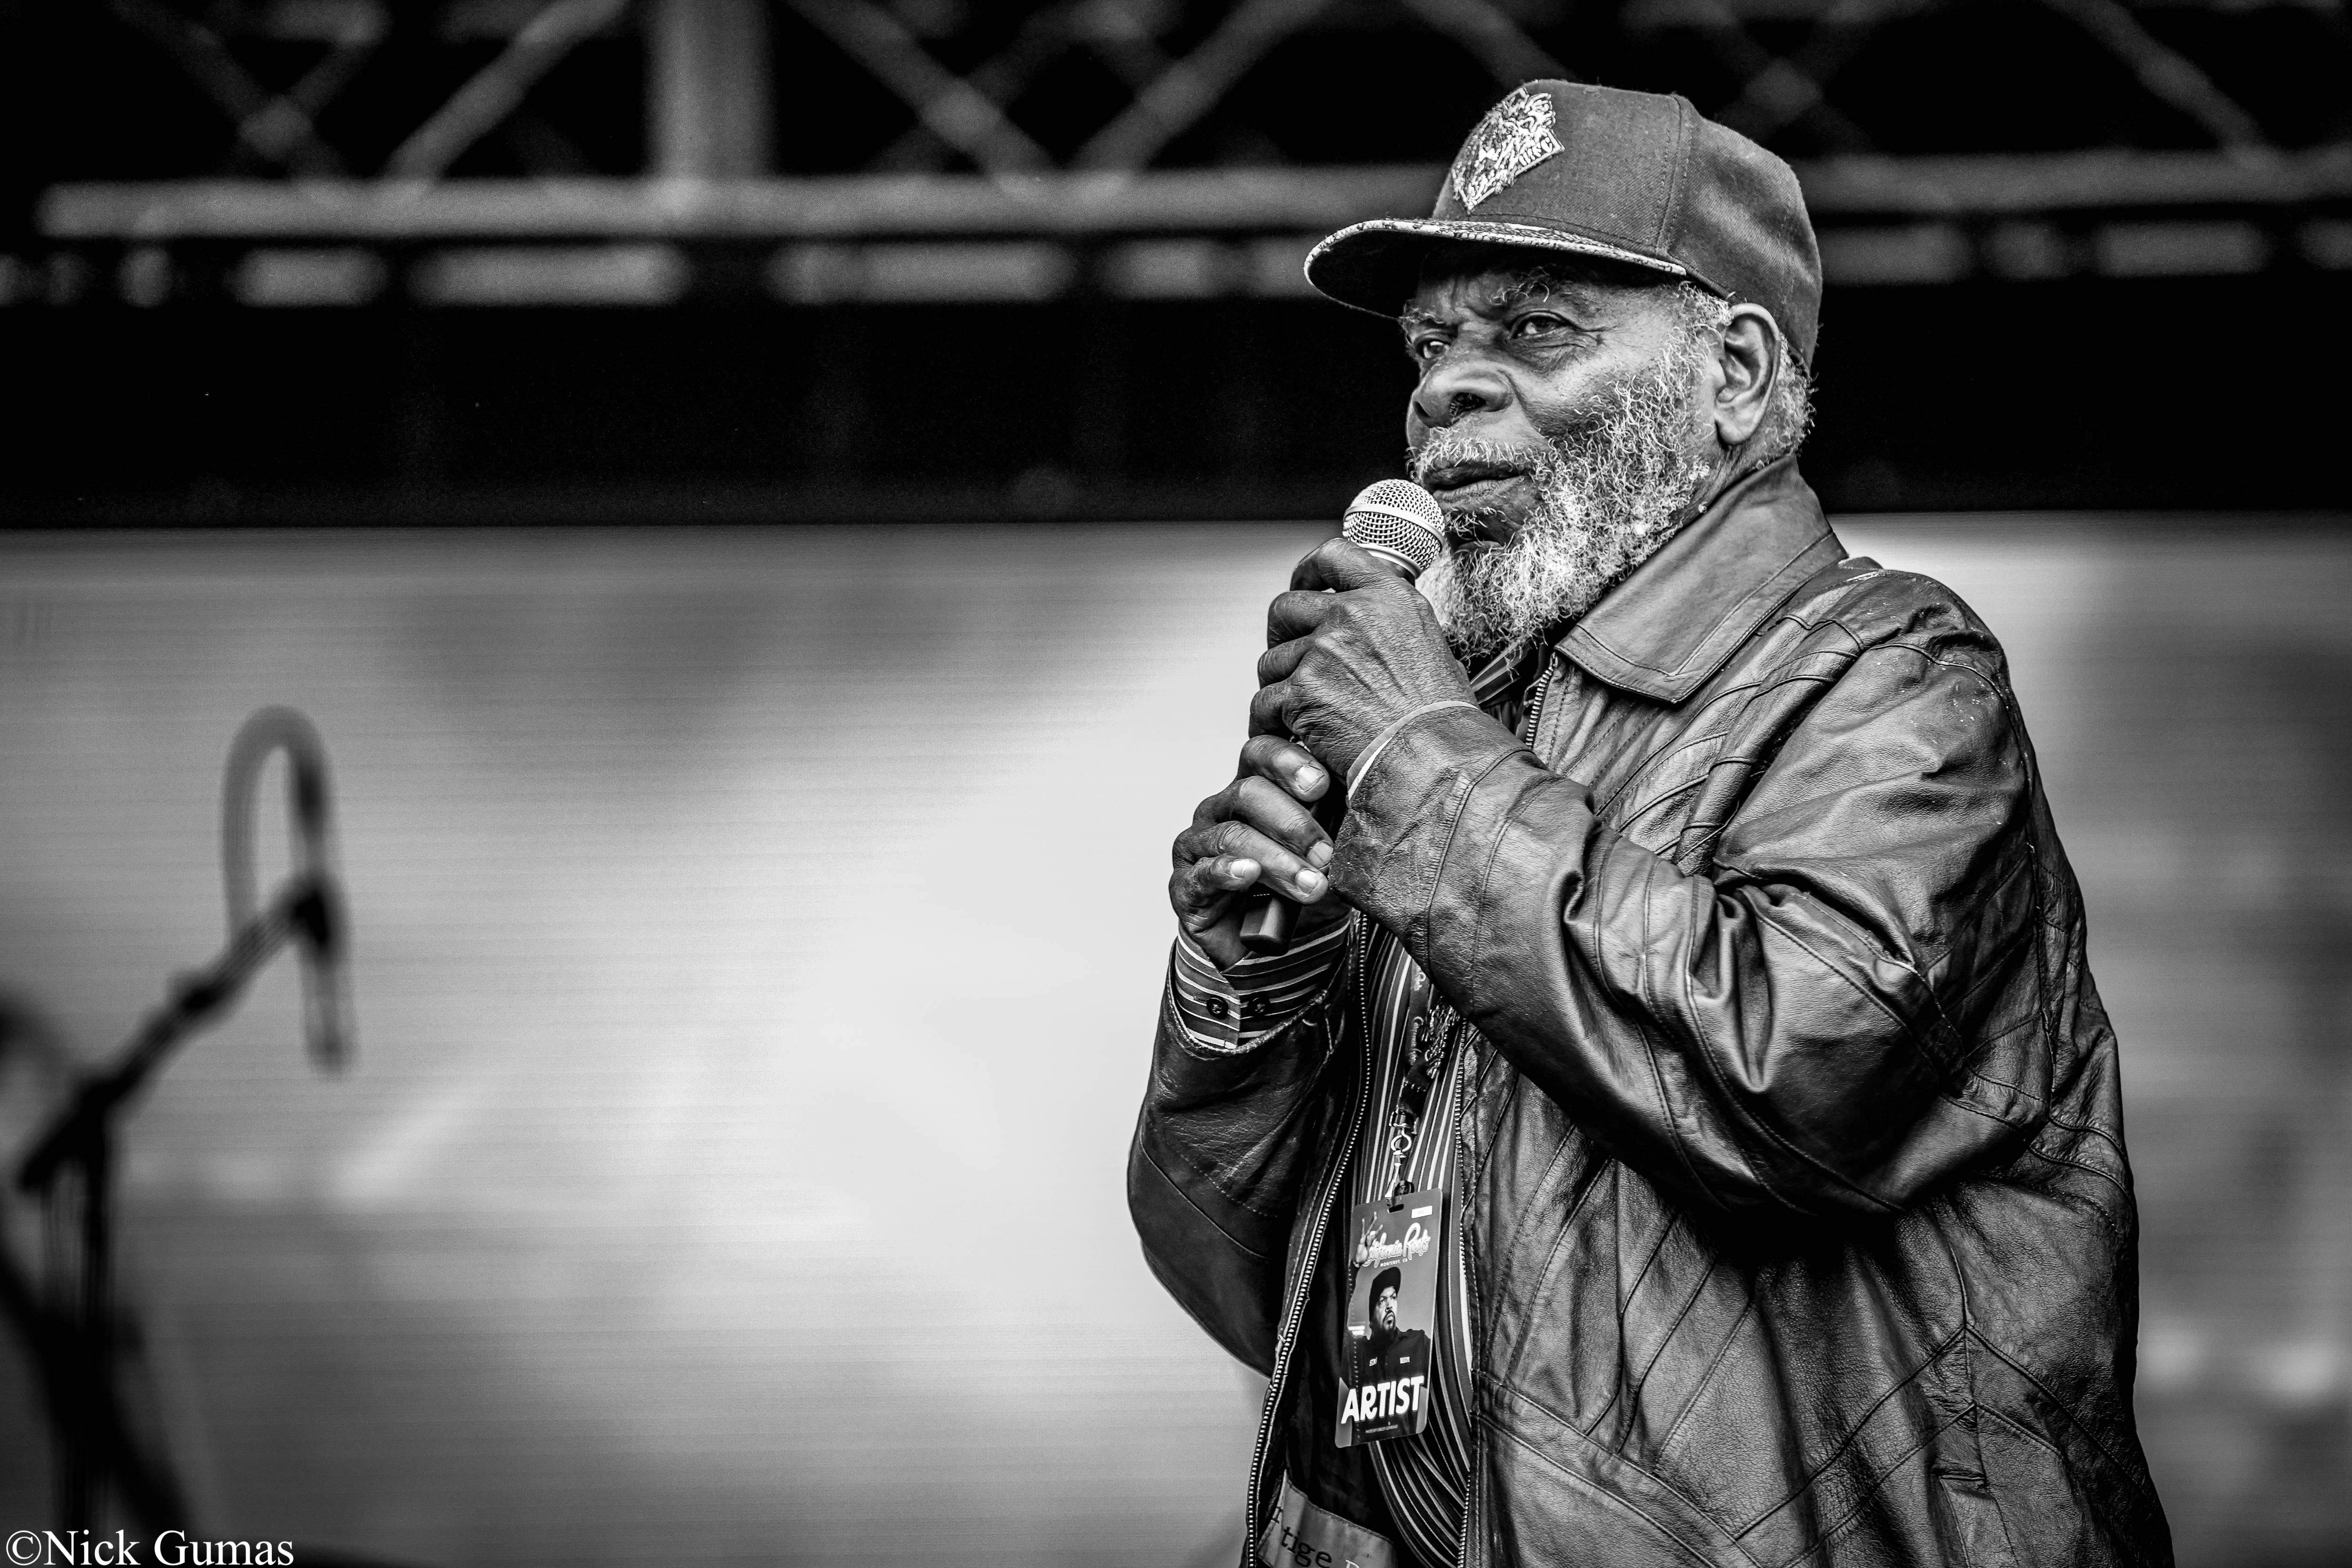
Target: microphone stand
<point x="77" y="1342"/>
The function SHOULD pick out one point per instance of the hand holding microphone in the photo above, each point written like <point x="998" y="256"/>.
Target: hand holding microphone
<point x="1353" y="649"/>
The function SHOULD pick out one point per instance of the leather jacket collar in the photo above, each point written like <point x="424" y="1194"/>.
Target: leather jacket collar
<point x="1671" y="624"/>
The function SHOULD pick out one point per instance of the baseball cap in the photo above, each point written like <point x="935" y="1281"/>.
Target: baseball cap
<point x="1640" y="178"/>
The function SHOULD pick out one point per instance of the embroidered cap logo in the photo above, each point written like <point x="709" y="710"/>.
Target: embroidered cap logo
<point x="1516" y="135"/>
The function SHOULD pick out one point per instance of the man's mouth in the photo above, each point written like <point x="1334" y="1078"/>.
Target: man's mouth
<point x="1470" y="484"/>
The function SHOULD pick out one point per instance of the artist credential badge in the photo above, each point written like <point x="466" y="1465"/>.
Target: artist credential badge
<point x="1516" y="135"/>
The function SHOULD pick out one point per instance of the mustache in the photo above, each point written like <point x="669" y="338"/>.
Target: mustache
<point x="1451" y="447"/>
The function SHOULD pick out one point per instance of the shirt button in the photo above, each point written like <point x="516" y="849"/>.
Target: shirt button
<point x="1217" y="1008"/>
<point x="1254" y="1009"/>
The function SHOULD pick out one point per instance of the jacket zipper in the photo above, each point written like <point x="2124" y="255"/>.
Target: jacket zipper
<point x="1287" y="1340"/>
<point x="1461" y="1223"/>
<point x="1469" y="1292"/>
<point x="1535" y="706"/>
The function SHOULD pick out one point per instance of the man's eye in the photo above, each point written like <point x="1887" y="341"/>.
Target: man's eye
<point x="1426" y="349"/>
<point x="1536" y="323"/>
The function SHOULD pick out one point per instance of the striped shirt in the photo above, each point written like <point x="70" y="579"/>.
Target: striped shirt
<point x="1226" y="1013"/>
<point x="1424" y="1477"/>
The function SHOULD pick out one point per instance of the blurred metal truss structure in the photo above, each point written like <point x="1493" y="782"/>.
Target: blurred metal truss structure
<point x="649" y="151"/>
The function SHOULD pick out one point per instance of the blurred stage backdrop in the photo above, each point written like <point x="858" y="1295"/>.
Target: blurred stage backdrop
<point x="888" y="420"/>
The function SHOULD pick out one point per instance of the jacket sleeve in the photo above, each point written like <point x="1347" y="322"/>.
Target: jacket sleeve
<point x="1222" y="1155"/>
<point x="1833" y="1010"/>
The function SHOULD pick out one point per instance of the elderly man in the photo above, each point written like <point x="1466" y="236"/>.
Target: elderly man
<point x="1696" y="949"/>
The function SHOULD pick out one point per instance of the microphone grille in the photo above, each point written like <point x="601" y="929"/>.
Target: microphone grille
<point x="1397" y="519"/>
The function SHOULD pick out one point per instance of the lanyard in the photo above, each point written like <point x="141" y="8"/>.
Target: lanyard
<point x="1427" y="1036"/>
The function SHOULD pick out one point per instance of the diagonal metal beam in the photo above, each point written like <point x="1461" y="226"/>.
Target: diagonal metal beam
<point x="322" y="82"/>
<point x="2167" y="74"/>
<point x="278" y="126"/>
<point x="1500" y="43"/>
<point x="475" y="109"/>
<point x="353" y="40"/>
<point x="956" y="112"/>
<point x="1191" y="87"/>
<point x="1124" y="36"/>
<point x="1777" y="91"/>
<point x="1044" y="38"/>
<point x="1792" y="88"/>
<point x="1119" y="33"/>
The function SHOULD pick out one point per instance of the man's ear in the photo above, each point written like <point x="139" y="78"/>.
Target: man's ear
<point x="1749" y="365"/>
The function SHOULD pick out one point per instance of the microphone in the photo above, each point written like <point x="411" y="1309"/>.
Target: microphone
<point x="314" y="906"/>
<point x="319" y="920"/>
<point x="1401" y="523"/>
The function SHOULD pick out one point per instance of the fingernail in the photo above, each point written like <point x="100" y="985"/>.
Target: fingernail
<point x="1319" y="857"/>
<point x="1311" y="882"/>
<point x="1309" y="777"/>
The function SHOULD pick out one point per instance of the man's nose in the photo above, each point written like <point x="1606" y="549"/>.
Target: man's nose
<point x="1461" y="383"/>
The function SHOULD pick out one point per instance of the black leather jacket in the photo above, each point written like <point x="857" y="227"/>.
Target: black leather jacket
<point x="1797" y="1216"/>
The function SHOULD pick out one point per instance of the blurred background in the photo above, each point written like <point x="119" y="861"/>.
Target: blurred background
<point x="879" y="427"/>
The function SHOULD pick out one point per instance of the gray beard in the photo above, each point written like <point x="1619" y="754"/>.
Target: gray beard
<point x="1612" y="489"/>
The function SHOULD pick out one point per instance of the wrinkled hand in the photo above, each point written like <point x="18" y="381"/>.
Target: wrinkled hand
<point x="1257" y="828"/>
<point x="1341" y="666"/>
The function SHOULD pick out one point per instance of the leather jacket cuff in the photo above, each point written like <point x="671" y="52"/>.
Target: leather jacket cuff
<point x="1402" y="825"/>
<point x="1379" y="743"/>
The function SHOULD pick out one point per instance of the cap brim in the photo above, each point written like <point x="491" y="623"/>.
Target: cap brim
<point x="1376" y="266"/>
